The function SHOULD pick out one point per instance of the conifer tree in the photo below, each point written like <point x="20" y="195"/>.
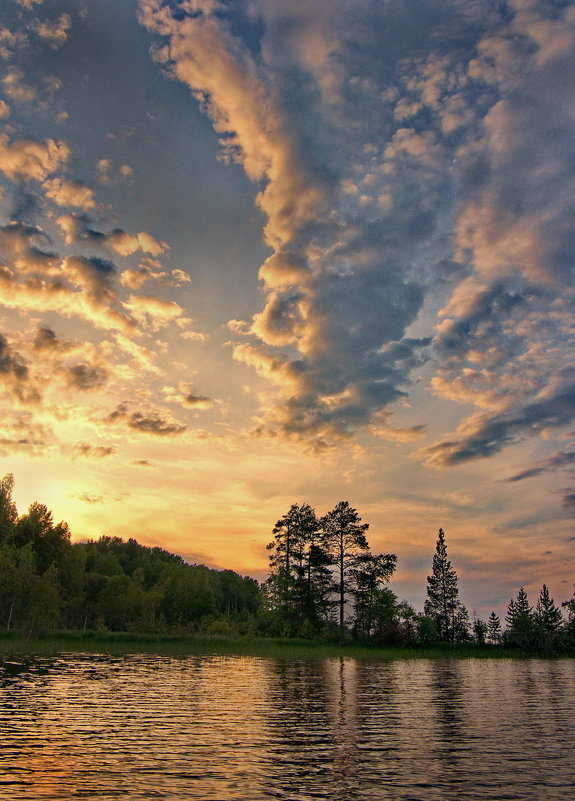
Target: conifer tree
<point x="443" y="604"/>
<point x="520" y="621"/>
<point x="494" y="628"/>
<point x="299" y="580"/>
<point x="345" y="540"/>
<point x="479" y="630"/>
<point x="547" y="615"/>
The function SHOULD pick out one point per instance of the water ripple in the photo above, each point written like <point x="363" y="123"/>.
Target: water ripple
<point x="248" y="729"/>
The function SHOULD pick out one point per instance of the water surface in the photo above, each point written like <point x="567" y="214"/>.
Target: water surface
<point x="227" y="728"/>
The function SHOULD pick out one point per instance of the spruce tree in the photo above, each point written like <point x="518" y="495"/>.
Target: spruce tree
<point x="547" y="615"/>
<point x="443" y="604"/>
<point x="494" y="628"/>
<point x="520" y="622"/>
<point x="479" y="630"/>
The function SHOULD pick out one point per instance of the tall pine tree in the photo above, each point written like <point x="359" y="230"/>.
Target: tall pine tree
<point x="443" y="604"/>
<point x="345" y="540"/>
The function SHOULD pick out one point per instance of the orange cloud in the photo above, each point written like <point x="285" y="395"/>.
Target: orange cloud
<point x="29" y="159"/>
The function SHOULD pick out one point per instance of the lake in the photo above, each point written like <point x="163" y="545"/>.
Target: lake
<point x="217" y="728"/>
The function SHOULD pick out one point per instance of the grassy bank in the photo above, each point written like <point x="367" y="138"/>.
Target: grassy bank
<point x="131" y="643"/>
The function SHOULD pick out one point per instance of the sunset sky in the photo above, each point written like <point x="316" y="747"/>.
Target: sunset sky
<point x="259" y="252"/>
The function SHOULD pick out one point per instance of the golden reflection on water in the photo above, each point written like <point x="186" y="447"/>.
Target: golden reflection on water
<point x="247" y="728"/>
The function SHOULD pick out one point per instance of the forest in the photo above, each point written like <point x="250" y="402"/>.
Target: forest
<point x="324" y="584"/>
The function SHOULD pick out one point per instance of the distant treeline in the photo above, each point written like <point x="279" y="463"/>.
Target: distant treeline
<point x="324" y="583"/>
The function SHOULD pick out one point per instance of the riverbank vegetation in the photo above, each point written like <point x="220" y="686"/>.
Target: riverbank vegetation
<point x="325" y="588"/>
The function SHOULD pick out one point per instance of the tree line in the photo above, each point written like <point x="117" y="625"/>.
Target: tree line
<point x="48" y="582"/>
<point x="324" y="582"/>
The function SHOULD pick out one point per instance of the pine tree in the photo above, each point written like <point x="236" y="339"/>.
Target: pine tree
<point x="479" y="630"/>
<point x="547" y="615"/>
<point x="443" y="604"/>
<point x="299" y="583"/>
<point x="520" y="622"/>
<point x="371" y="601"/>
<point x="494" y="628"/>
<point x="345" y="540"/>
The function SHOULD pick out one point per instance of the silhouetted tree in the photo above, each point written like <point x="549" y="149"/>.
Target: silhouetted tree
<point x="346" y="543"/>
<point x="443" y="604"/>
<point x="548" y="621"/>
<point x="520" y="630"/>
<point x="547" y="615"/>
<point x="296" y="586"/>
<point x="494" y="628"/>
<point x="374" y="605"/>
<point x="480" y="630"/>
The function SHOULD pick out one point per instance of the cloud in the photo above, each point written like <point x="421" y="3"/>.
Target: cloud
<point x="29" y="159"/>
<point x="54" y="32"/>
<point x="485" y="435"/>
<point x="77" y="230"/>
<point x="151" y="270"/>
<point x="84" y="450"/>
<point x="151" y="311"/>
<point x="569" y="504"/>
<point x="10" y="42"/>
<point x="554" y="462"/>
<point x="33" y="278"/>
<point x="152" y="422"/>
<point x="14" y="374"/>
<point x="85" y="376"/>
<point x="28" y="4"/>
<point x="70" y="193"/>
<point x="186" y="397"/>
<point x="349" y="204"/>
<point x="87" y="498"/>
<point x="16" y="88"/>
<point x="20" y="433"/>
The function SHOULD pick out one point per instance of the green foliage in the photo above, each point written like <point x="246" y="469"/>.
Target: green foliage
<point x="298" y="588"/>
<point x="111" y="585"/>
<point x="321" y="566"/>
<point x="47" y="582"/>
<point x="8" y="511"/>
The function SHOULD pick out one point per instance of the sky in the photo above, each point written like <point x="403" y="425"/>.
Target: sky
<point x="256" y="253"/>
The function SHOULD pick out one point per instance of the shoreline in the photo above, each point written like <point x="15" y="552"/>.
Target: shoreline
<point x="12" y="643"/>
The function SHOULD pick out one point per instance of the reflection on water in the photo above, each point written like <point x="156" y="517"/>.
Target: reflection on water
<point x="223" y="728"/>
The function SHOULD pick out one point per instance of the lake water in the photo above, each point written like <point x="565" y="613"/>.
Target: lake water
<point x="217" y="728"/>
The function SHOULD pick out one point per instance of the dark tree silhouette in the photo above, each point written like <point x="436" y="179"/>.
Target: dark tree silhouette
<point x="299" y="582"/>
<point x="443" y="604"/>
<point x="520" y="630"/>
<point x="345" y="540"/>
<point x="494" y="628"/>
